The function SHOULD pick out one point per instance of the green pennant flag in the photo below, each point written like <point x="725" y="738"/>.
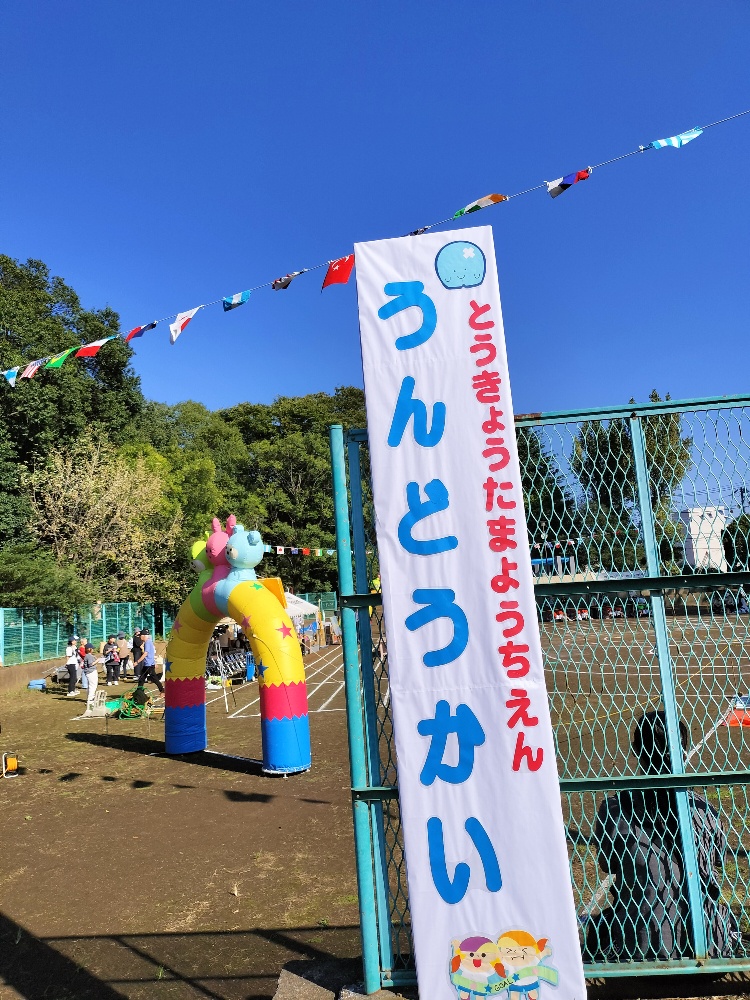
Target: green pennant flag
<point x="59" y="359"/>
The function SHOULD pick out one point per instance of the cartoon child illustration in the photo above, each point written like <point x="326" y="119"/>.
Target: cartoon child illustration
<point x="475" y="967"/>
<point x="522" y="957"/>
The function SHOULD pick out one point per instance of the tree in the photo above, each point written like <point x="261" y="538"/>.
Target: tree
<point x="736" y="540"/>
<point x="30" y="577"/>
<point x="603" y="461"/>
<point x="40" y="315"/>
<point x="104" y="514"/>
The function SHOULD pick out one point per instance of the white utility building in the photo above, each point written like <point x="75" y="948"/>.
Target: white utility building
<point x="703" y="537"/>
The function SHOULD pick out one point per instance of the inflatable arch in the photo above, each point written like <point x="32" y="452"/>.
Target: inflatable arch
<point x="227" y="585"/>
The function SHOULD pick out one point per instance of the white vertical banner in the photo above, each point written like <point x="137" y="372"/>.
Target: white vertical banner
<point x="487" y="866"/>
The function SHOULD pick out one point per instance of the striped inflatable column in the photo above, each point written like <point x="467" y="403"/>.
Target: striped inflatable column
<point x="185" y="681"/>
<point x="285" y="727"/>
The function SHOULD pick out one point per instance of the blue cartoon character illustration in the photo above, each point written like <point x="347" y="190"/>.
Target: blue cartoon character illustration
<point x="460" y="265"/>
<point x="523" y="967"/>
<point x="476" y="969"/>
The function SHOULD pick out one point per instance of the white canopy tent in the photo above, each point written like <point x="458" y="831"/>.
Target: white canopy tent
<point x="296" y="607"/>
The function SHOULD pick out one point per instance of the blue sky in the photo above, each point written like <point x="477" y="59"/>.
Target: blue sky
<point x="161" y="155"/>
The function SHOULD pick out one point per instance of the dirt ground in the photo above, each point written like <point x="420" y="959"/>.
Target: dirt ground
<point x="125" y="873"/>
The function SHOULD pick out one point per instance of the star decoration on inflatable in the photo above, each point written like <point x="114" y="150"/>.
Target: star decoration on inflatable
<point x="262" y="670"/>
<point x="246" y="621"/>
<point x="257" y="586"/>
<point x="285" y="631"/>
<point x="167" y="666"/>
<point x="177" y="624"/>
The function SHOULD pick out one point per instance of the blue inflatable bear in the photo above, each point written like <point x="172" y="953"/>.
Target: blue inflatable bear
<point x="244" y="551"/>
<point x="460" y="265"/>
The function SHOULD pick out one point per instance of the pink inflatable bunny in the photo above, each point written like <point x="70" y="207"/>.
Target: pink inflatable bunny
<point x="216" y="550"/>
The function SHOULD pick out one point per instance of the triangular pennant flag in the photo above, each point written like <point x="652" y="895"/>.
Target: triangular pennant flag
<point x="286" y="281"/>
<point x="89" y="350"/>
<point x="474" y="206"/>
<point x="11" y="373"/>
<point x="59" y="359"/>
<point x="179" y="323"/>
<point x="279" y="550"/>
<point x="238" y="299"/>
<point x="329" y="552"/>
<point x="339" y="271"/>
<point x="555" y="188"/>
<point x="138" y="331"/>
<point x="181" y="320"/>
<point x="677" y="140"/>
<point x="31" y="369"/>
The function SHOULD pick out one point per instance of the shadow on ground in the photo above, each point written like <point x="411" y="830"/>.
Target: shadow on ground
<point x="145" y="747"/>
<point x="219" y="965"/>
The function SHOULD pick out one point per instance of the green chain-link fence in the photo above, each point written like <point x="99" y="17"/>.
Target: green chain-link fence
<point x="639" y="527"/>
<point x="27" y="635"/>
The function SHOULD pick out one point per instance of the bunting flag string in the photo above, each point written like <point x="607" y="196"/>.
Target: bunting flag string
<point x="339" y="269"/>
<point x="297" y="550"/>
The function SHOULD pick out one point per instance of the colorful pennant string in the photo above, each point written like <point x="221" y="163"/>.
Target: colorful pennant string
<point x="339" y="270"/>
<point x="281" y="550"/>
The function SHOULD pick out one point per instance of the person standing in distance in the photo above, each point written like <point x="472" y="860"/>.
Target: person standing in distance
<point x="124" y="650"/>
<point x="111" y="660"/>
<point x="92" y="676"/>
<point x="148" y="671"/>
<point x="71" y="662"/>
<point x="138" y="654"/>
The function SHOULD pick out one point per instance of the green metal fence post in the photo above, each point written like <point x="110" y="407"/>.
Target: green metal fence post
<point x="666" y="671"/>
<point x="371" y="714"/>
<point x="363" y="846"/>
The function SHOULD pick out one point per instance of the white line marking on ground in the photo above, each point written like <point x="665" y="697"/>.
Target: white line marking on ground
<point x="326" y="703"/>
<point x="327" y="663"/>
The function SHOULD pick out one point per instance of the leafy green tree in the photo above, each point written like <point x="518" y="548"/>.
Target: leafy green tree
<point x="106" y="513"/>
<point x="736" y="540"/>
<point x="31" y="577"/>
<point x="41" y="316"/>
<point x="603" y="461"/>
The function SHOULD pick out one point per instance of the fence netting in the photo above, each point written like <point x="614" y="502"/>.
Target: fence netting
<point x="639" y="527"/>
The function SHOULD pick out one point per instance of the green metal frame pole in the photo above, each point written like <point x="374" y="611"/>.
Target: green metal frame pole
<point x="687" y="835"/>
<point x="370" y="708"/>
<point x="363" y="846"/>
